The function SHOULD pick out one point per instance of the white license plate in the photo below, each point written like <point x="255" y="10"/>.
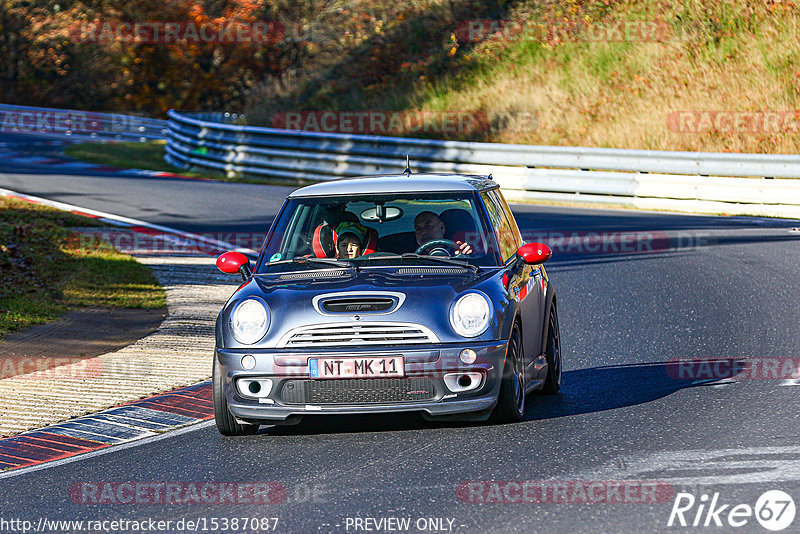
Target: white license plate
<point x="385" y="367"/>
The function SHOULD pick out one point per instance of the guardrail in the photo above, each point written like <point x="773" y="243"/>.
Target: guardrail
<point x="81" y="125"/>
<point x="686" y="181"/>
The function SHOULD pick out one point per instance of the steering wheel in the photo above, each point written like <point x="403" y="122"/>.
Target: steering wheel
<point x="437" y="245"/>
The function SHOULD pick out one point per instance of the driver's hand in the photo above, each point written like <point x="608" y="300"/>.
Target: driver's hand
<point x="463" y="248"/>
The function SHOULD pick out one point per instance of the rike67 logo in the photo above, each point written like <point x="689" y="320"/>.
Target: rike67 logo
<point x="774" y="510"/>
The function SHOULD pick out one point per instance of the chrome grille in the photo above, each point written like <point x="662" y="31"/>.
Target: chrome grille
<point x="347" y="334"/>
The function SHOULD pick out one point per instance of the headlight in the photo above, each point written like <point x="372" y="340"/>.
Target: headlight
<point x="249" y="321"/>
<point x="470" y="315"/>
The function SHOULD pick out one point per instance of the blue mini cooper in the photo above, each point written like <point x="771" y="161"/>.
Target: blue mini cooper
<point x="397" y="293"/>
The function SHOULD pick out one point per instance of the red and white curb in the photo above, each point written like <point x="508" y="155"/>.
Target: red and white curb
<point x="55" y="164"/>
<point x="129" y="422"/>
<point x="178" y="353"/>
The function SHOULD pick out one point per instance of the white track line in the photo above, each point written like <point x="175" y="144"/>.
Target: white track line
<point x="119" y="220"/>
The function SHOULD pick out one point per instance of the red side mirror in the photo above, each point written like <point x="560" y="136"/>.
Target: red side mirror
<point x="535" y="253"/>
<point x="231" y="262"/>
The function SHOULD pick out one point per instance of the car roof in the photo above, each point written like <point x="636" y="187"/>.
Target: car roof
<point x="397" y="183"/>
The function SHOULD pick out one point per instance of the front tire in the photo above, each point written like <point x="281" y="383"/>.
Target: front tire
<point x="511" y="400"/>
<point x="226" y="423"/>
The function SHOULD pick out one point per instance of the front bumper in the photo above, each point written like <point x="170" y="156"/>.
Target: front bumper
<point x="426" y="365"/>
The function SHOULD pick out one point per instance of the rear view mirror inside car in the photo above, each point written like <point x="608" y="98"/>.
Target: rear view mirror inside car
<point x="381" y="213"/>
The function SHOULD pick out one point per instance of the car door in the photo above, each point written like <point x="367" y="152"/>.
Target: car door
<point x="527" y="287"/>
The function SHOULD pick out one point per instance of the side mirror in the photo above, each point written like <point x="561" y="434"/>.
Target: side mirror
<point x="235" y="262"/>
<point x="535" y="253"/>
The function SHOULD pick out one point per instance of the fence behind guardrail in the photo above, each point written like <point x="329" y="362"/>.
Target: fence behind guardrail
<point x="81" y="125"/>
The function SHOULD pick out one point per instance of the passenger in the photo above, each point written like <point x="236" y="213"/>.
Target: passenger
<point x="429" y="227"/>
<point x="350" y="239"/>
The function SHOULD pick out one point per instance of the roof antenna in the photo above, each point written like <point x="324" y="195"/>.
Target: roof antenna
<point x="407" y="172"/>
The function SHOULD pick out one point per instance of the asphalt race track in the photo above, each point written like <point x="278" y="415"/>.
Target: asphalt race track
<point x="694" y="287"/>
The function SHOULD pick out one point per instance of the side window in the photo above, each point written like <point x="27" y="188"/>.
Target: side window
<point x="510" y="216"/>
<point x="297" y="239"/>
<point x="501" y="226"/>
<point x="291" y="245"/>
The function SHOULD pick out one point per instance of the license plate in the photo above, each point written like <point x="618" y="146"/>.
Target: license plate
<point x="386" y="367"/>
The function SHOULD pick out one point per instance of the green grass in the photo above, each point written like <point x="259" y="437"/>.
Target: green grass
<point x="584" y="89"/>
<point x="44" y="270"/>
<point x="148" y="156"/>
<point x="21" y="312"/>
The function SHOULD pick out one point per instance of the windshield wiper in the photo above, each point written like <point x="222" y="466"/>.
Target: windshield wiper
<point x="439" y="259"/>
<point x="323" y="261"/>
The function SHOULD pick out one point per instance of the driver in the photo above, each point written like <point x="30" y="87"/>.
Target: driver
<point x="429" y="227"/>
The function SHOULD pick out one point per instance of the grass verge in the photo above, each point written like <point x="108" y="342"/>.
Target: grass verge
<point x="150" y="156"/>
<point x="126" y="155"/>
<point x="44" y="272"/>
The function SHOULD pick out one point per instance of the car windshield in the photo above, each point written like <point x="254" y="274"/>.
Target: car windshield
<point x="387" y="229"/>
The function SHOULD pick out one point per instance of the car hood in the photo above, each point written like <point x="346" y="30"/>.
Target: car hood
<point x="426" y="298"/>
<point x="388" y="279"/>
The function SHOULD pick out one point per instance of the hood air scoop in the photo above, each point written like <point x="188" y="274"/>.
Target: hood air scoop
<point x="358" y="303"/>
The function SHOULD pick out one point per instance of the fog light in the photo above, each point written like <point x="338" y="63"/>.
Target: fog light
<point x="248" y="362"/>
<point x="460" y="382"/>
<point x="468" y="356"/>
<point x="254" y="387"/>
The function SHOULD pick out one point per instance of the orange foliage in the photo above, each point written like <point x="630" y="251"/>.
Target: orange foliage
<point x="59" y="55"/>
